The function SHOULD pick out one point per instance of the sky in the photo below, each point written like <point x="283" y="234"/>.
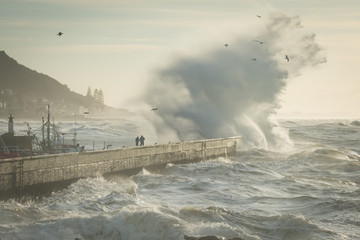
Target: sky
<point x="119" y="45"/>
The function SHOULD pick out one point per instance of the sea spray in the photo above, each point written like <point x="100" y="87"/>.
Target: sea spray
<point x="222" y="92"/>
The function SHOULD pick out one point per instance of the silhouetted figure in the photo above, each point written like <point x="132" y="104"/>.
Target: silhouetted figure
<point x="59" y="34"/>
<point x="82" y="149"/>
<point x="142" y="139"/>
<point x="287" y="58"/>
<point x="154" y="109"/>
<point x="259" y="16"/>
<point x="137" y="141"/>
<point x="226" y="45"/>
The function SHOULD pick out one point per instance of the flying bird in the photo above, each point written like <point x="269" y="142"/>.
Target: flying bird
<point x="261" y="42"/>
<point x="258" y="16"/>
<point x="226" y="45"/>
<point x="287" y="58"/>
<point x="254" y="59"/>
<point x="154" y="109"/>
<point x="59" y="34"/>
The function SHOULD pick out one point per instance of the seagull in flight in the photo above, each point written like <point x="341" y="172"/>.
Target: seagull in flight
<point x="254" y="59"/>
<point x="287" y="58"/>
<point x="226" y="45"/>
<point x="154" y="109"/>
<point x="261" y="42"/>
<point x="258" y="16"/>
<point x="59" y="34"/>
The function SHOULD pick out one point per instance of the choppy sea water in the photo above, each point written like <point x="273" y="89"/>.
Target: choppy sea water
<point x="309" y="192"/>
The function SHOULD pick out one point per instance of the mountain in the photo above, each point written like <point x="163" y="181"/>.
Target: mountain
<point x="33" y="85"/>
<point x="28" y="92"/>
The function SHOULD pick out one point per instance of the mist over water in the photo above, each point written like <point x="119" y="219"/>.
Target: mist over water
<point x="225" y="92"/>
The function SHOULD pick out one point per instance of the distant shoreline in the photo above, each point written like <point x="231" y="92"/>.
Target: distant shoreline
<point x="59" y="117"/>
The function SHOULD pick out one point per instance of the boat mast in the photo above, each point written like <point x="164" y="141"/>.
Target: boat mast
<point x="48" y="128"/>
<point x="43" y="131"/>
<point x="11" y="125"/>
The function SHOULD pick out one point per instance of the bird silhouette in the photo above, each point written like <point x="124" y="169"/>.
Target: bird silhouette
<point x="254" y="59"/>
<point x="261" y="42"/>
<point x="258" y="16"/>
<point x="226" y="45"/>
<point x="154" y="109"/>
<point x="59" y="34"/>
<point x="287" y="58"/>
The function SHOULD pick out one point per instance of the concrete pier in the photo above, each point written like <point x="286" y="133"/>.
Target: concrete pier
<point x="26" y="173"/>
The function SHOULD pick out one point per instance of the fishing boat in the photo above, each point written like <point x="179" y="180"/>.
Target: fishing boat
<point x="51" y="141"/>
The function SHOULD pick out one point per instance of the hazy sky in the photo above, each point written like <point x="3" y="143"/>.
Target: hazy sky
<point x="116" y="45"/>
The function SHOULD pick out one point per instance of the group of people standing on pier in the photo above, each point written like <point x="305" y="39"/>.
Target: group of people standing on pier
<point x="140" y="140"/>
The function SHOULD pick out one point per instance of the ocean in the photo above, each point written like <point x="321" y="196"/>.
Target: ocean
<point x="309" y="191"/>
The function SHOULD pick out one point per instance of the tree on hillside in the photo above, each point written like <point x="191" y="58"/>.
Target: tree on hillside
<point x="88" y="94"/>
<point x="100" y="96"/>
<point x="96" y="94"/>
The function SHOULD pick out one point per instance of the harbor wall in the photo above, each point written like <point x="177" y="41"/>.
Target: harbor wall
<point x="19" y="173"/>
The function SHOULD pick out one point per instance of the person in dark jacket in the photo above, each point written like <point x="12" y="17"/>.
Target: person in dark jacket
<point x="137" y="141"/>
<point x="142" y="139"/>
